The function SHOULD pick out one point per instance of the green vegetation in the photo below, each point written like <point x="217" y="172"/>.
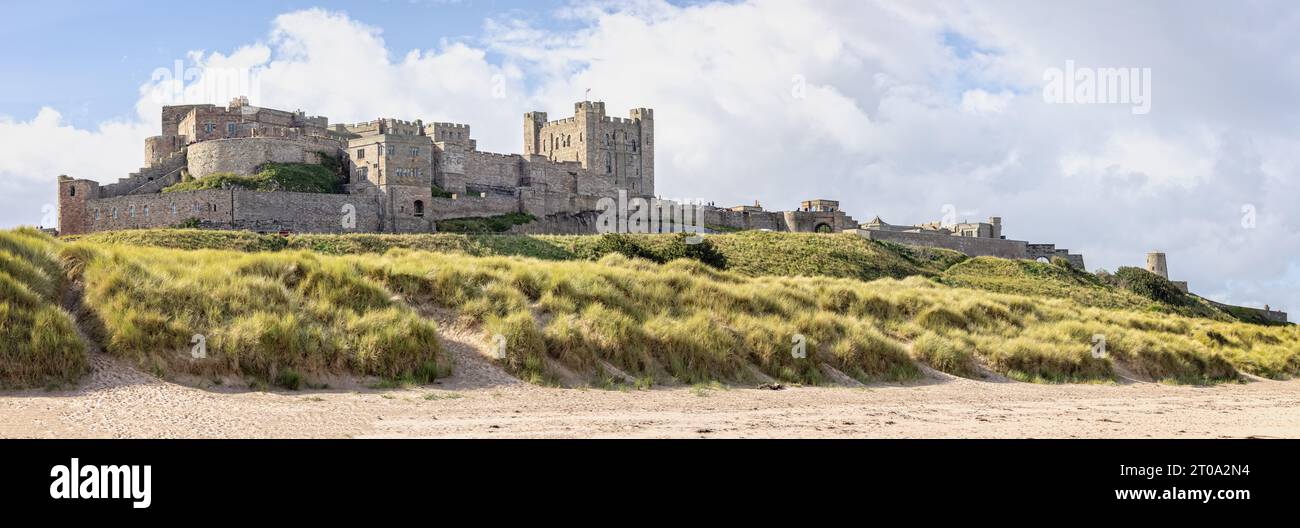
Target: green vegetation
<point x="750" y="253"/>
<point x="39" y="345"/>
<point x="293" y="177"/>
<point x="438" y="192"/>
<point x="273" y="317"/>
<point x="1025" y="277"/>
<point x="1247" y="315"/>
<point x="1150" y="286"/>
<point x="652" y="308"/>
<point x="485" y="224"/>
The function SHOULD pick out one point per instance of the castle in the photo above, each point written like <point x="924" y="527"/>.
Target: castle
<point x="398" y="176"/>
<point x="401" y="176"/>
<point x="972" y="238"/>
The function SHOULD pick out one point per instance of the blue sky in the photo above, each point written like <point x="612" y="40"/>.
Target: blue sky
<point x="88" y="58"/>
<point x="898" y="109"/>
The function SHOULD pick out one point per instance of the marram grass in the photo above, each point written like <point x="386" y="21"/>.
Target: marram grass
<point x="39" y="344"/>
<point x="289" y="314"/>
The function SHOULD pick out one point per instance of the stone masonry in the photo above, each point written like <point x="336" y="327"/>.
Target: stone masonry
<point x="401" y="176"/>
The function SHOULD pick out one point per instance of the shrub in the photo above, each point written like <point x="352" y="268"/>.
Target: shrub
<point x="486" y="224"/>
<point x="1150" y="285"/>
<point x="292" y="177"/>
<point x="945" y="354"/>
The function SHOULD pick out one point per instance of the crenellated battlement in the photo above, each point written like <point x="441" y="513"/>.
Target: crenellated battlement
<point x="392" y="164"/>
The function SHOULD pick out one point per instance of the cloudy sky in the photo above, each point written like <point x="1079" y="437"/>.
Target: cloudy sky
<point x="898" y="109"/>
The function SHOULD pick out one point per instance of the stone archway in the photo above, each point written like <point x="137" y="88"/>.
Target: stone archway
<point x="824" y="228"/>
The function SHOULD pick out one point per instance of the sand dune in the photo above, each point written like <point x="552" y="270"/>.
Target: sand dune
<point x="480" y="401"/>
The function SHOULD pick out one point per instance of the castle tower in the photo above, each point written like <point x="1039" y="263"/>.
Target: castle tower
<point x="533" y="123"/>
<point x="996" y="222"/>
<point x="589" y="115"/>
<point x="645" y="117"/>
<point x="1156" y="264"/>
<point x="618" y="150"/>
<point x="74" y="217"/>
<point x="394" y="160"/>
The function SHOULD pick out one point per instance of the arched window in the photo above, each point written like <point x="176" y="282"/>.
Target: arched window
<point x="72" y="190"/>
<point x="419" y="208"/>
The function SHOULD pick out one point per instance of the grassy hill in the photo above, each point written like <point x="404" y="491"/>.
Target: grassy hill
<point x="293" y="177"/>
<point x="291" y="312"/>
<point x="39" y="344"/>
<point x="1026" y="277"/>
<point x="750" y="253"/>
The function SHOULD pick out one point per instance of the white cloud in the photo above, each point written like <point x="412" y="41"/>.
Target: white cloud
<point x="980" y="102"/>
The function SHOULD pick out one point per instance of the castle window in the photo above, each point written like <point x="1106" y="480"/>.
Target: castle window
<point x="173" y="209"/>
<point x="230" y="129"/>
<point x="113" y="213"/>
<point x="381" y="151"/>
<point x="146" y="211"/>
<point x="609" y="164"/>
<point x="130" y="212"/>
<point x="361" y="153"/>
<point x="96" y="214"/>
<point x="419" y="208"/>
<point x="72" y="190"/>
<point x="209" y="127"/>
<point x="415" y="152"/>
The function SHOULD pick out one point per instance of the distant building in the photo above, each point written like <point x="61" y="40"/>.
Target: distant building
<point x="1158" y="264"/>
<point x="972" y="238"/>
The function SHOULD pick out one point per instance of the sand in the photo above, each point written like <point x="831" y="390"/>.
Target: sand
<point x="480" y="401"/>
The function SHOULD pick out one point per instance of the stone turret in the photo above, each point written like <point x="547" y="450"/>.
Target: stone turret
<point x="1156" y="264"/>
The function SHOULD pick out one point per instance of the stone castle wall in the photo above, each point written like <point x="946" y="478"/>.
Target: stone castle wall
<point x="975" y="247"/>
<point x="490" y="170"/>
<point x="245" y="155"/>
<point x="1268" y="315"/>
<point x="465" y="207"/>
<point x="229" y="209"/>
<point x="139" y="211"/>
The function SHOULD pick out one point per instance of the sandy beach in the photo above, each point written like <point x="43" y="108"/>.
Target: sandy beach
<point x="481" y="401"/>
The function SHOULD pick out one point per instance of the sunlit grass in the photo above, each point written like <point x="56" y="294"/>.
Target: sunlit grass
<point x="287" y="316"/>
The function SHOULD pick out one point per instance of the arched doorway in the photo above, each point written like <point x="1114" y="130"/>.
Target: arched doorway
<point x="419" y="208"/>
<point x="824" y="228"/>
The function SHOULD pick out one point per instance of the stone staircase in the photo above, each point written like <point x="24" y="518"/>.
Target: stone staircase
<point x="148" y="179"/>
